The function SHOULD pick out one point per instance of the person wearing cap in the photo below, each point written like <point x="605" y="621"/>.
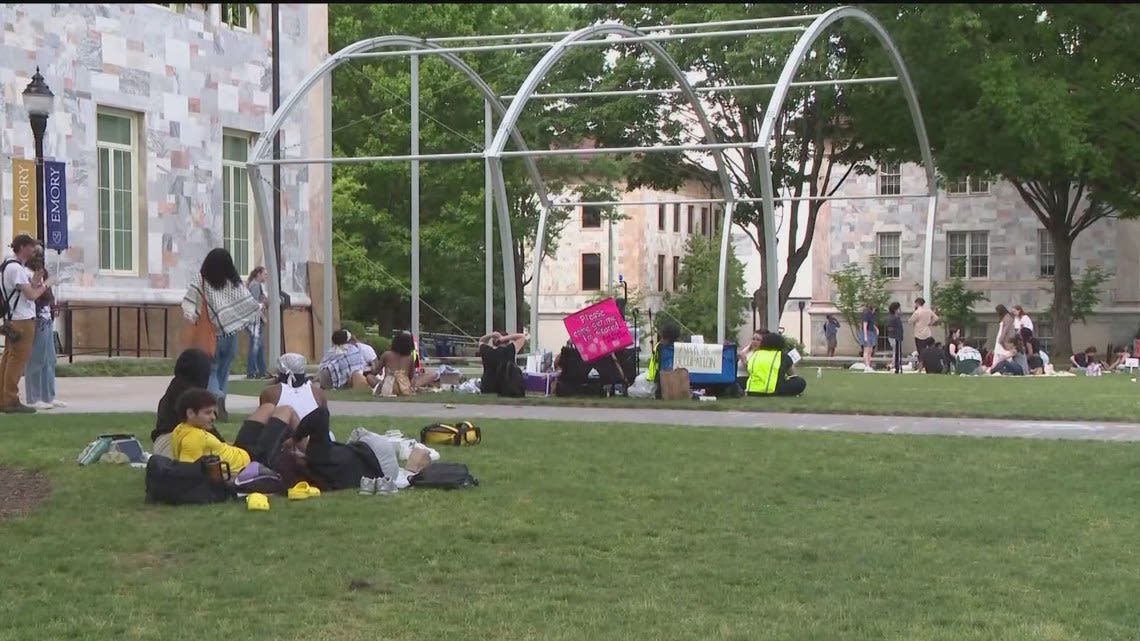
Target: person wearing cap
<point x="20" y="289"/>
<point x="342" y="366"/>
<point x="294" y="388"/>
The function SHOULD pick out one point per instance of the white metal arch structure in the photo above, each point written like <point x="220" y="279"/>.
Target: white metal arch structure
<point x="261" y="151"/>
<point x="494" y="153"/>
<point x="776" y="105"/>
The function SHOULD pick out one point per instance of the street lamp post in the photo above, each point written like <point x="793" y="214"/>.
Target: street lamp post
<point x="38" y="100"/>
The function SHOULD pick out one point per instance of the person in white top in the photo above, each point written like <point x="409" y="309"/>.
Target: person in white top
<point x="369" y="355"/>
<point x="19" y="289"/>
<point x="293" y="388"/>
<point x="1022" y="322"/>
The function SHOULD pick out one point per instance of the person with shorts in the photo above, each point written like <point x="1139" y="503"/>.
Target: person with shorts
<point x="261" y="437"/>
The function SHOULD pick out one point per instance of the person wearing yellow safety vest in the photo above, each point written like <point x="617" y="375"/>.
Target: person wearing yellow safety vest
<point x="770" y="371"/>
<point x="666" y="335"/>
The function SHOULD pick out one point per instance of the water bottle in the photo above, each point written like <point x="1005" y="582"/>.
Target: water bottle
<point x="819" y="372"/>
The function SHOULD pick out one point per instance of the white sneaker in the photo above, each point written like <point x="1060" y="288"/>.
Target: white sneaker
<point x="42" y="405"/>
<point x="58" y="403"/>
<point x="386" y="486"/>
<point x="368" y="486"/>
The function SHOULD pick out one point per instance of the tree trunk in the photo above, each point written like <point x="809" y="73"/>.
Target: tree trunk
<point x="520" y="293"/>
<point x="1062" y="295"/>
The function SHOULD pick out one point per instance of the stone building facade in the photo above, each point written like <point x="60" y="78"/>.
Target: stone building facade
<point x="157" y="108"/>
<point x="985" y="233"/>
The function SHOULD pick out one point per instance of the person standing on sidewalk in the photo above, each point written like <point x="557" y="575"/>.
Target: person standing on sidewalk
<point x="922" y="320"/>
<point x="255" y="365"/>
<point x="39" y="376"/>
<point x="20" y="291"/>
<point x="895" y="336"/>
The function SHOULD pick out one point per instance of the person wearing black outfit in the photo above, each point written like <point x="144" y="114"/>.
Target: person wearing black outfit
<point x="932" y="359"/>
<point x="895" y="335"/>
<point x="191" y="370"/>
<point x="498" y="353"/>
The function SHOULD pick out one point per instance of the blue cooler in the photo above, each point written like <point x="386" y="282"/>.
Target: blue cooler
<point x="727" y="374"/>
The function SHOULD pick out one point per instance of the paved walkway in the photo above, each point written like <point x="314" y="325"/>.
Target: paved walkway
<point x="140" y="394"/>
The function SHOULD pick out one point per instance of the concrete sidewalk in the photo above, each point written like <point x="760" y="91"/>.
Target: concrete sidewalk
<point x="141" y="394"/>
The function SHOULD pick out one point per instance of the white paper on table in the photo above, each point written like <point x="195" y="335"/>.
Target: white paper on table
<point x="697" y="339"/>
<point x="795" y="356"/>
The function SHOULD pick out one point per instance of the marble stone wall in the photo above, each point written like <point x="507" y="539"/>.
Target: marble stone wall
<point x="188" y="77"/>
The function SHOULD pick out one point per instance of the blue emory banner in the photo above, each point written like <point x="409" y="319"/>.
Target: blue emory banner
<point x="55" y="205"/>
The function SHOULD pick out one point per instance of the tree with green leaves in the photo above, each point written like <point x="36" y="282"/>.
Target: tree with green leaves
<point x="371" y="118"/>
<point x="857" y="287"/>
<point x="820" y="139"/>
<point x="954" y="302"/>
<point x="1045" y="96"/>
<point x="693" y="305"/>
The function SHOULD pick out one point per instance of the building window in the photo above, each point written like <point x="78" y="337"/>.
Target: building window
<point x="118" y="198"/>
<point x="591" y="217"/>
<point x="968" y="185"/>
<point x="591" y="272"/>
<point x="661" y="217"/>
<point x="691" y="222"/>
<point x="890" y="255"/>
<point x="890" y="179"/>
<point x="660" y="272"/>
<point x="1043" y="332"/>
<point x="237" y="221"/>
<point x="676" y="217"/>
<point x="706" y="224"/>
<point x="717" y="215"/>
<point x="236" y="15"/>
<point x="968" y="254"/>
<point x="1046" y="254"/>
<point x="676" y="270"/>
<point x="977" y="336"/>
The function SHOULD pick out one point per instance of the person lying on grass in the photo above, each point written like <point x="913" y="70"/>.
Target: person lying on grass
<point x="330" y="465"/>
<point x="261" y="438"/>
<point x="770" y="368"/>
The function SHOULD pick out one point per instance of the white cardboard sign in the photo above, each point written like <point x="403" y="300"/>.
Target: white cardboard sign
<point x="698" y="358"/>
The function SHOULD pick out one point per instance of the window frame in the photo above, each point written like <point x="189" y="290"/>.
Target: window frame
<point x="582" y="272"/>
<point x="884" y="267"/>
<point x="229" y="167"/>
<point x="660" y="272"/>
<point x="676" y="270"/>
<point x="968" y="273"/>
<point x="692" y="214"/>
<point x="225" y="14"/>
<point x="968" y="186"/>
<point x="887" y="180"/>
<point x="661" y="216"/>
<point x="582" y="220"/>
<point x="1044" y="237"/>
<point x="132" y="149"/>
<point x="676" y="218"/>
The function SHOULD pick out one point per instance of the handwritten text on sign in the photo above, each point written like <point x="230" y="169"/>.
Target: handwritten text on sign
<point x="55" y="204"/>
<point x="698" y="359"/>
<point x="598" y="330"/>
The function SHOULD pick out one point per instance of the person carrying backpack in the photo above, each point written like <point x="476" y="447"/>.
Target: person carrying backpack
<point x="19" y="290"/>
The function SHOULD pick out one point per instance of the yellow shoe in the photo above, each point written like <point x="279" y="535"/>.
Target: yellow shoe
<point x="257" y="502"/>
<point x="302" y="491"/>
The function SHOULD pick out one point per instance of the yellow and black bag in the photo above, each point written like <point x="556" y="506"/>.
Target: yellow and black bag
<point x="462" y="433"/>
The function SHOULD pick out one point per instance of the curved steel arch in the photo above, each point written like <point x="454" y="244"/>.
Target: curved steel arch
<point x="776" y="104"/>
<point x="530" y="85"/>
<point x="261" y="150"/>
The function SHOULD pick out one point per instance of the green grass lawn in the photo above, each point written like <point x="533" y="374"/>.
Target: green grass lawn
<point x="1107" y="398"/>
<point x="582" y="532"/>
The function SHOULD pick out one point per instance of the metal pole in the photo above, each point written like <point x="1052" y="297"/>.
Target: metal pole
<point x="714" y="89"/>
<point x="327" y="307"/>
<point x="488" y="225"/>
<point x="329" y="160"/>
<point x="39" y="127"/>
<point x="275" y="27"/>
<point x="415" y="196"/>
<point x="610" y="254"/>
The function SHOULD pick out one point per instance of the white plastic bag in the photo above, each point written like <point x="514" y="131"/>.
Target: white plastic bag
<point x="641" y="387"/>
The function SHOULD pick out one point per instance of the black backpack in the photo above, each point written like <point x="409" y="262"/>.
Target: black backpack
<point x="444" y="476"/>
<point x="174" y="483"/>
<point x="7" y="299"/>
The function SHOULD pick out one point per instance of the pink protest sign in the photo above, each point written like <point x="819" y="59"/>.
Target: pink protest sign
<point x="598" y="330"/>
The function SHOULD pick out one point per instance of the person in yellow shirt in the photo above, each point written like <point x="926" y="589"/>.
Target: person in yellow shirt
<point x="261" y="437"/>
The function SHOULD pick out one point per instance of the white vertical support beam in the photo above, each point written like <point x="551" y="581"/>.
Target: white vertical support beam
<point x="928" y="247"/>
<point x="771" y="263"/>
<point x="722" y="273"/>
<point x="273" y="291"/>
<point x="506" y="244"/>
<point x="415" y="119"/>
<point x="488" y="223"/>
<point x="610" y="255"/>
<point x="327" y="241"/>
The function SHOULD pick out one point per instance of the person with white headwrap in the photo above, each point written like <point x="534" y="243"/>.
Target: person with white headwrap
<point x="294" y="388"/>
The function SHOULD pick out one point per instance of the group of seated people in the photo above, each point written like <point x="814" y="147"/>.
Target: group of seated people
<point x="289" y="432"/>
<point x="1086" y="362"/>
<point x="353" y="365"/>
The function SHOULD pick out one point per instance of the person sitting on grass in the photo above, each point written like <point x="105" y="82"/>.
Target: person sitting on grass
<point x="1082" y="360"/>
<point x="1016" y="364"/>
<point x="968" y="360"/>
<point x="498" y="353"/>
<point x="294" y="388"/>
<point x="191" y="370"/>
<point x="668" y="334"/>
<point x="770" y="368"/>
<point x="261" y="437"/>
<point x="397" y="367"/>
<point x="1120" y="356"/>
<point x="343" y="364"/>
<point x="931" y="358"/>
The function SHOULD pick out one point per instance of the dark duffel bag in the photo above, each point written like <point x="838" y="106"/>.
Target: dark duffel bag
<point x="174" y="483"/>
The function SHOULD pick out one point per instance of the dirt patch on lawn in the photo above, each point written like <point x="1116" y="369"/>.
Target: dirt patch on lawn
<point x="21" y="491"/>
